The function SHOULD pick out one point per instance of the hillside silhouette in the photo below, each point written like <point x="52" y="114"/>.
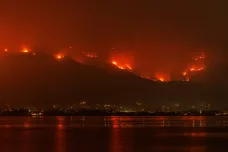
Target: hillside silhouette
<point x="43" y="80"/>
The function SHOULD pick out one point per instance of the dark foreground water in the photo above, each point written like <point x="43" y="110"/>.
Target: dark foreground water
<point x="113" y="134"/>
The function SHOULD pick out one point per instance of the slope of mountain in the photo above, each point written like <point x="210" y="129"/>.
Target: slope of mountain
<point x="41" y="80"/>
<point x="25" y="78"/>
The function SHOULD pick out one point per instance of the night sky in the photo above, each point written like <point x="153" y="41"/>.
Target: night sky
<point x="161" y="34"/>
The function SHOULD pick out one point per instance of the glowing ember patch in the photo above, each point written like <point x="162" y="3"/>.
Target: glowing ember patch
<point x="187" y="79"/>
<point x="114" y="62"/>
<point x="184" y="73"/>
<point x="200" y="57"/>
<point x="5" y="50"/>
<point x="25" y="50"/>
<point x="90" y="55"/>
<point x="196" y="69"/>
<point x="161" y="79"/>
<point x="128" y="66"/>
<point x="59" y="56"/>
<point x="121" y="67"/>
<point x="192" y="69"/>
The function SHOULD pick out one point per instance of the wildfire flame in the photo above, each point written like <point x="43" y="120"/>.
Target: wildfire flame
<point x="196" y="66"/>
<point x="199" y="57"/>
<point x="196" y="69"/>
<point x="184" y="73"/>
<point x="122" y="66"/>
<point x="90" y="55"/>
<point x="162" y="77"/>
<point x="25" y="50"/>
<point x="125" y="61"/>
<point x="122" y="59"/>
<point x="59" y="56"/>
<point x="114" y="62"/>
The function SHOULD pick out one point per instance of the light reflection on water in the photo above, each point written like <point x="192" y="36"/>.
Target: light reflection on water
<point x="113" y="134"/>
<point x="60" y="139"/>
<point x="113" y="121"/>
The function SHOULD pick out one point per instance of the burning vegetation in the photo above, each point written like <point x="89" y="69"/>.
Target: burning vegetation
<point x="162" y="77"/>
<point x="25" y="50"/>
<point x="90" y="55"/>
<point x="59" y="56"/>
<point x="197" y="65"/>
<point x="122" y="66"/>
<point x="125" y="61"/>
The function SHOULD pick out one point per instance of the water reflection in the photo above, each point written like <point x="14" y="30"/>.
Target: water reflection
<point x="121" y="134"/>
<point x="27" y="145"/>
<point x="195" y="134"/>
<point x="115" y="145"/>
<point x="186" y="121"/>
<point x="197" y="149"/>
<point x="119" y="140"/>
<point x="60" y="135"/>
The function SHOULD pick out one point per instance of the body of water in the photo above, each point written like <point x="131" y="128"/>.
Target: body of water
<point x="114" y="134"/>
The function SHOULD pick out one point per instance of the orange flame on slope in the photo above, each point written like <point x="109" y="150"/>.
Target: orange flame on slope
<point x="199" y="57"/>
<point x="197" y="66"/>
<point x="184" y="73"/>
<point x="123" y="60"/>
<point x="114" y="62"/>
<point x="162" y="77"/>
<point x="196" y="69"/>
<point x="25" y="50"/>
<point x="91" y="55"/>
<point x="59" y="56"/>
<point x="122" y="66"/>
